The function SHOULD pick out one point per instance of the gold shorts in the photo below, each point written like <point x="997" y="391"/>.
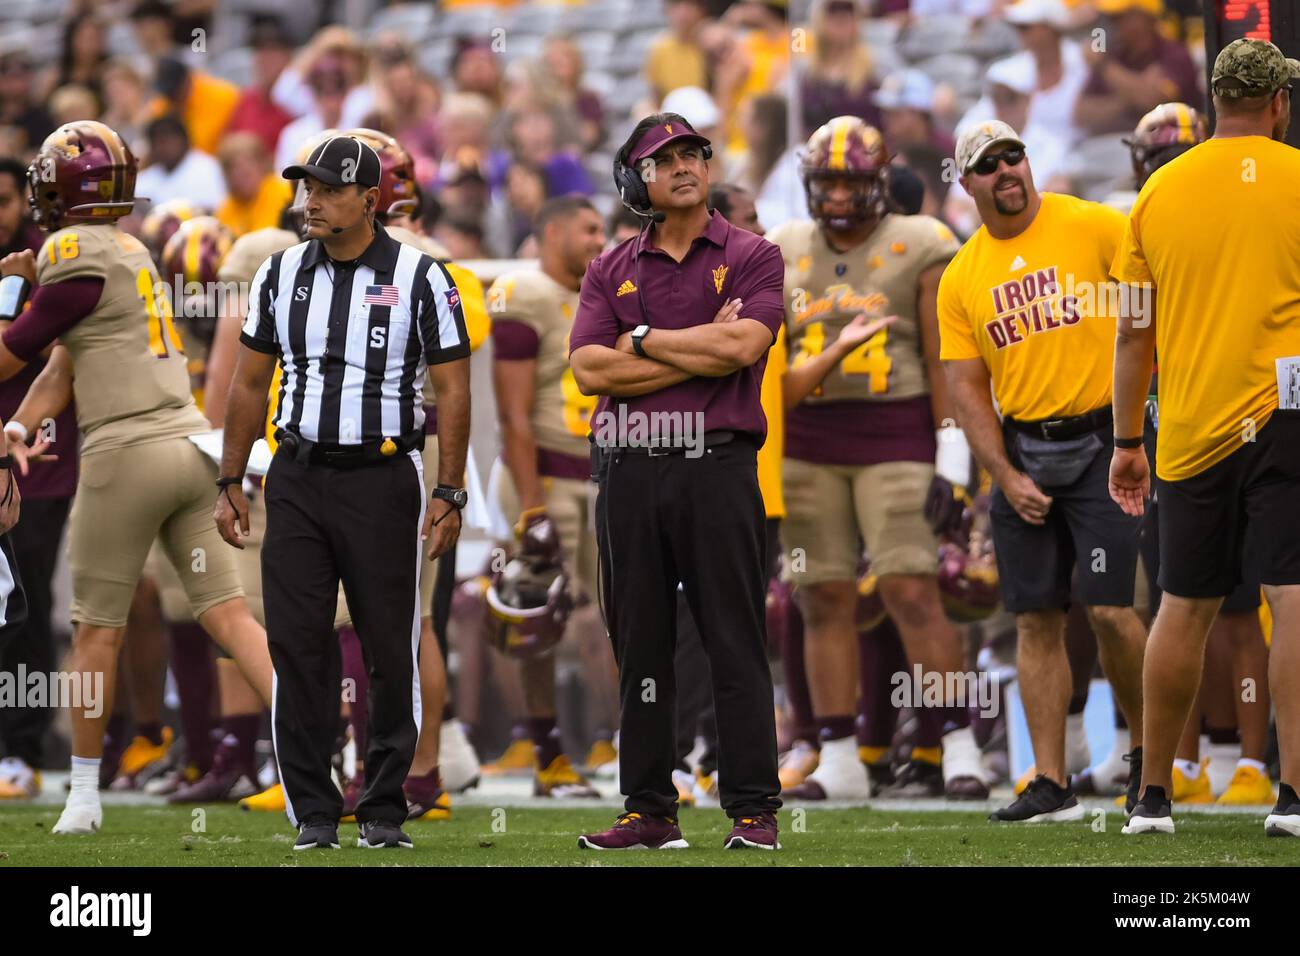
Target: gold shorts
<point x="829" y="507"/>
<point x="128" y="497"/>
<point x="568" y="504"/>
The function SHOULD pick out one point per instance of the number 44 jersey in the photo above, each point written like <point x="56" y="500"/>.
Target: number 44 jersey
<point x="131" y="380"/>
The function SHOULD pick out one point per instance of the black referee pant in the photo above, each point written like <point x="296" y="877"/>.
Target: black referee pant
<point x="664" y="519"/>
<point x="361" y="526"/>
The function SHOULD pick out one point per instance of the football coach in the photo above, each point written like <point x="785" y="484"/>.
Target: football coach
<point x="673" y="329"/>
<point x="355" y="319"/>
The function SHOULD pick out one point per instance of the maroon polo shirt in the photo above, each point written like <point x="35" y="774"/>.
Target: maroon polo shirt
<point x="722" y="263"/>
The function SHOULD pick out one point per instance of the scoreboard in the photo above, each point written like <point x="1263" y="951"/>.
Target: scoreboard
<point x="1275" y="20"/>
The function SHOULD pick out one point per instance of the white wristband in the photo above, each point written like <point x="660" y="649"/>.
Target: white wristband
<point x="17" y="431"/>
<point x="952" y="459"/>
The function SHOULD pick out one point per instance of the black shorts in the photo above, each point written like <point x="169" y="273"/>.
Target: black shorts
<point x="1238" y="519"/>
<point x="1084" y="527"/>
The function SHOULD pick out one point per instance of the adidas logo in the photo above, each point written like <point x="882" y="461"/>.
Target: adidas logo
<point x="626" y="288"/>
<point x="1017" y="263"/>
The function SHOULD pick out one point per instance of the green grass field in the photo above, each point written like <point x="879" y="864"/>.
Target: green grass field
<point x="522" y="836"/>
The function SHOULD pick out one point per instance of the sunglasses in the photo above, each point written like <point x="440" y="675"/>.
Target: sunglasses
<point x="988" y="164"/>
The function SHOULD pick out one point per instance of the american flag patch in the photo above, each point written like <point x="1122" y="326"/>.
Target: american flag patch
<point x="380" y="295"/>
<point x="453" y="297"/>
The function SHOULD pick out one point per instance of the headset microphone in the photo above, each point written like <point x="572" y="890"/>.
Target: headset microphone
<point x="657" y="216"/>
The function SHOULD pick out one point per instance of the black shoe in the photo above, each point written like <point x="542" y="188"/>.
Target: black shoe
<point x="1043" y="801"/>
<point x="1134" y="760"/>
<point x="1285" y="818"/>
<point x="916" y="779"/>
<point x="317" y="835"/>
<point x="881" y="776"/>
<point x="378" y="835"/>
<point x="1152" y="814"/>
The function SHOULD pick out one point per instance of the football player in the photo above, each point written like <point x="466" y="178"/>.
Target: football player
<point x="97" y="292"/>
<point x="546" y="487"/>
<point x="864" y="397"/>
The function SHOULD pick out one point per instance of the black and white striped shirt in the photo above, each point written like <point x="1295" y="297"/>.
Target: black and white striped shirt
<point x="354" y="339"/>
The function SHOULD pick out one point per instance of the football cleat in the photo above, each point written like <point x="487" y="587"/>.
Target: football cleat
<point x="1285" y="818"/>
<point x="919" y="778"/>
<point x="1106" y="779"/>
<point x="636" y="831"/>
<point x="1249" y="787"/>
<point x="457" y="761"/>
<point x="1153" y="814"/>
<point x="685" y="785"/>
<point x="438" y="809"/>
<point x="1193" y="789"/>
<point x="840" y="775"/>
<point x="517" y="758"/>
<point x="81" y="816"/>
<point x="963" y="768"/>
<point x="425" y="798"/>
<point x="218" y="785"/>
<point x="600" y="757"/>
<point x="796" y="763"/>
<point x="18" y="781"/>
<point x="1043" y="801"/>
<point x="171" y="780"/>
<point x="758" y="832"/>
<point x="142" y="754"/>
<point x="269" y="800"/>
<point x="561" y="779"/>
<point x="705" y="789"/>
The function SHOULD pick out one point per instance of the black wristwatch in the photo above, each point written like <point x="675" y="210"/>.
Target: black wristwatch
<point x="229" y="480"/>
<point x="638" y="336"/>
<point x="1128" y="442"/>
<point x="458" y="497"/>
<point x="6" y="462"/>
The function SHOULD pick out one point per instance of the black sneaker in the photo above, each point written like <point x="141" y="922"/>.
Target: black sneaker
<point x="1153" y="814"/>
<point x="317" y="835"/>
<point x="379" y="835"/>
<point x="1134" y="760"/>
<point x="1285" y="818"/>
<point x="916" y="779"/>
<point x="1043" y="801"/>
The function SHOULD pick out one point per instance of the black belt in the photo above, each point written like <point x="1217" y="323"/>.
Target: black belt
<point x="719" y="436"/>
<point x="307" y="452"/>
<point x="1062" y="429"/>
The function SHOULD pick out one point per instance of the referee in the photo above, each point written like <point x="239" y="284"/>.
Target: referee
<point x="355" y="319"/>
<point x="674" y="326"/>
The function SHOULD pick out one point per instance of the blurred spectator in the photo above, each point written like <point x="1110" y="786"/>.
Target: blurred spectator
<point x="73" y="102"/>
<point x="293" y="91"/>
<point x="406" y="101"/>
<point x="736" y="204"/>
<point x="17" y="231"/>
<point x="532" y="141"/>
<point x="255" y="194"/>
<point x="82" y="54"/>
<point x="463" y="124"/>
<point x="510" y="217"/>
<point x="623" y="224"/>
<point x="677" y="58"/>
<point x="1138" y="70"/>
<point x="906" y="101"/>
<point x="837" y="81"/>
<point x="26" y="120"/>
<point x="462" y="237"/>
<point x="256" y="112"/>
<point x="204" y="102"/>
<point x="755" y="63"/>
<point x="1059" y="69"/>
<point x="927" y="162"/>
<point x="331" y="77"/>
<point x="465" y="190"/>
<point x="771" y="169"/>
<point x="154" y="26"/>
<point x="126" y="102"/>
<point x="476" y="69"/>
<point x="697" y="107"/>
<point x="176" y="170"/>
<point x="562" y="69"/>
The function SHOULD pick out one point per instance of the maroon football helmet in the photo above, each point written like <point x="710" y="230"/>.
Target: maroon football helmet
<point x="529" y="599"/>
<point x="83" y="172"/>
<point x="397" y="192"/>
<point x="161" y="222"/>
<point x="968" y="580"/>
<point x="846" y="147"/>
<point x="1167" y="131"/>
<point x="195" y="250"/>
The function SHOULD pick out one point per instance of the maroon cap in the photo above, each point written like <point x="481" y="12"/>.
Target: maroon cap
<point x="656" y="137"/>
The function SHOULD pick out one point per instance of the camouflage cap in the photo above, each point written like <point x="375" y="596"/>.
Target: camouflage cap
<point x="1248" y="67"/>
<point x="976" y="141"/>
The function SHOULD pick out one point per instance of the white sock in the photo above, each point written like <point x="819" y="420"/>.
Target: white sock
<point x="1188" y="768"/>
<point x="1253" y="764"/>
<point x="846" y="748"/>
<point x="85" y="776"/>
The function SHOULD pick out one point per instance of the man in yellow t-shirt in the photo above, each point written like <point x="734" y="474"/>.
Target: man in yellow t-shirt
<point x="1025" y="305"/>
<point x="1217" y="233"/>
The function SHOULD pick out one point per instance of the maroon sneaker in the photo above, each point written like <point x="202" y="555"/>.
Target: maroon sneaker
<point x="758" y="831"/>
<point x="637" y="831"/>
<point x="226" y="782"/>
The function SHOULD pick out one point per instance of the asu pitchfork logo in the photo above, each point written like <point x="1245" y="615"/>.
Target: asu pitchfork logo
<point x="719" y="277"/>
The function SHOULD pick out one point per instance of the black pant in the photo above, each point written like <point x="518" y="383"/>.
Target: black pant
<point x="361" y="526"/>
<point x="699" y="521"/>
<point x="35" y="540"/>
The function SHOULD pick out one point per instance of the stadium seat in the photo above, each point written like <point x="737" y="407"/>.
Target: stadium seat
<point x="992" y="39"/>
<point x="234" y="65"/>
<point x="412" y="20"/>
<point x="1099" y="165"/>
<point x="961" y="71"/>
<point x="534" y="18"/>
<point x="932" y="36"/>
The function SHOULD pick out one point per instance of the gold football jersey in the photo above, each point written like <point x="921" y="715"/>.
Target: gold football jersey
<point x="560" y="411"/>
<point x="825" y="289"/>
<point x="131" y="380"/>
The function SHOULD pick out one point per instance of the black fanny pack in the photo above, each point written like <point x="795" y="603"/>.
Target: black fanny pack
<point x="1057" y="453"/>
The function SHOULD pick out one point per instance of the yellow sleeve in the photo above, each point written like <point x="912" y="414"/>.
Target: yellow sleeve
<point x="473" y="303"/>
<point x="1130" y="262"/>
<point x="956" y="338"/>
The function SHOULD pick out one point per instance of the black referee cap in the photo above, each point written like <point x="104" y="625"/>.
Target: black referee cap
<point x="339" y="161"/>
